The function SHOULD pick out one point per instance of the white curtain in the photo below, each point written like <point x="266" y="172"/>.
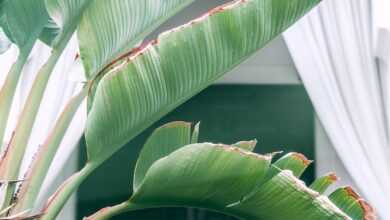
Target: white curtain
<point x="381" y="19"/>
<point x="334" y="51"/>
<point x="64" y="82"/>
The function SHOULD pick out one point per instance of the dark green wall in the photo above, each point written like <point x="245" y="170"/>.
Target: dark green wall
<point x="280" y="117"/>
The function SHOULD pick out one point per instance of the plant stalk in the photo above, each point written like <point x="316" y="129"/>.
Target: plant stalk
<point x="34" y="178"/>
<point x="8" y="89"/>
<point x="11" y="162"/>
<point x="109" y="212"/>
<point x="61" y="196"/>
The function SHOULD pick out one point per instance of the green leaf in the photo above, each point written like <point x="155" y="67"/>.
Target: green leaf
<point x="153" y="80"/>
<point x="352" y="204"/>
<point x="202" y="175"/>
<point x="161" y="143"/>
<point x="321" y="184"/>
<point x="23" y="21"/>
<point x="286" y="197"/>
<point x="230" y="180"/>
<point x="110" y="28"/>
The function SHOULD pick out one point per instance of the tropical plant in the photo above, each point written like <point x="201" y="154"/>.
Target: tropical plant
<point x="174" y="170"/>
<point x="128" y="89"/>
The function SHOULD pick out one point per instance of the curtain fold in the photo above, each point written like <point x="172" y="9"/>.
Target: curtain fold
<point x="381" y="31"/>
<point x="333" y="50"/>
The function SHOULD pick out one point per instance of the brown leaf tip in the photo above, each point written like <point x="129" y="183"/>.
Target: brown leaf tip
<point x="303" y="158"/>
<point x="352" y="192"/>
<point x="369" y="211"/>
<point x="333" y="177"/>
<point x="224" y="7"/>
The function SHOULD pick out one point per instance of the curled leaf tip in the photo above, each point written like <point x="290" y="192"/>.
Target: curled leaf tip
<point x="333" y="177"/>
<point x="369" y="211"/>
<point x="303" y="158"/>
<point x="352" y="192"/>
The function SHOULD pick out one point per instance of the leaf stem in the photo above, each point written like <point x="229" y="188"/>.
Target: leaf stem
<point x="61" y="196"/>
<point x="11" y="162"/>
<point x="109" y="212"/>
<point x="35" y="176"/>
<point x="8" y="89"/>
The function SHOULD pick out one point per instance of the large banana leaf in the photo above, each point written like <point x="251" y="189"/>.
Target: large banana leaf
<point x="112" y="27"/>
<point x="233" y="181"/>
<point x="151" y="81"/>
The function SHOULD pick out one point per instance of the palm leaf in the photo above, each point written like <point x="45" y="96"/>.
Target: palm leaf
<point x="233" y="181"/>
<point x="140" y="88"/>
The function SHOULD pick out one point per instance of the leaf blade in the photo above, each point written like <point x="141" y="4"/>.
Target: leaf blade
<point x="202" y="175"/>
<point x="155" y="79"/>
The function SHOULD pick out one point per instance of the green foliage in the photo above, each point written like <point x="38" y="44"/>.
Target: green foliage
<point x="230" y="180"/>
<point x="145" y="85"/>
<point x="128" y="91"/>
